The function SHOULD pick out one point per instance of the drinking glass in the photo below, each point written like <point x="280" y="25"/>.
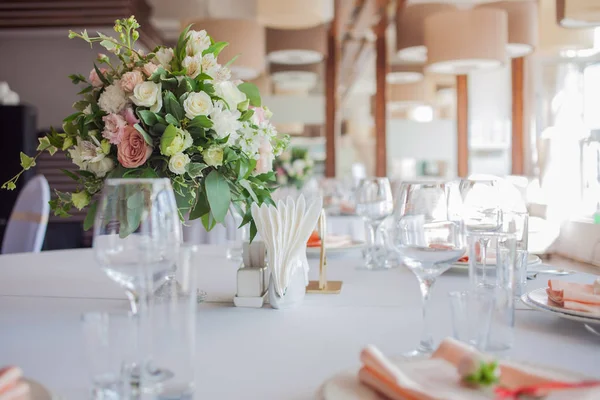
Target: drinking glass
<point x="482" y="209"/>
<point x="374" y="203"/>
<point x="110" y="347"/>
<point x="137" y="232"/>
<point x="429" y="234"/>
<point x="471" y="317"/>
<point x="169" y="365"/>
<point x="236" y="235"/>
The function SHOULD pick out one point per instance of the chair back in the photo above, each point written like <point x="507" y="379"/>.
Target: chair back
<point x="28" y="220"/>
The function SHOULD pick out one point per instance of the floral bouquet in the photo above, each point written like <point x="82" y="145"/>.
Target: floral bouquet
<point x="293" y="167"/>
<point x="173" y="113"/>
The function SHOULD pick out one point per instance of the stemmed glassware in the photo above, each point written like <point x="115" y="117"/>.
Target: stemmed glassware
<point x="137" y="233"/>
<point x="428" y="235"/>
<point x="482" y="205"/>
<point x="374" y="202"/>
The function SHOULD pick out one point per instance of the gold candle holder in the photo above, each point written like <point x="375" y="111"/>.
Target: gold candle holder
<point x="322" y="285"/>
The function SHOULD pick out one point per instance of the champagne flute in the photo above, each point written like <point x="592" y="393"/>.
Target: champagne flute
<point x="374" y="202"/>
<point x="482" y="209"/>
<point x="137" y="233"/>
<point x="428" y="235"/>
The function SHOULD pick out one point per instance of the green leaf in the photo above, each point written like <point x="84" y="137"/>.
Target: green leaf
<point x="215" y="48"/>
<point x="248" y="186"/>
<point x="208" y="221"/>
<point x="172" y="120"/>
<point x="218" y="195"/>
<point x="145" y="135"/>
<point x="197" y="133"/>
<point x="231" y="61"/>
<point x="88" y="222"/>
<point x="201" y="207"/>
<point x="10" y="185"/>
<point x="253" y="231"/>
<point x="72" y="116"/>
<point x="68" y="142"/>
<point x="44" y="143"/>
<point x="246" y="115"/>
<point x="167" y="138"/>
<point x="147" y="116"/>
<point x="190" y="84"/>
<point x="77" y="78"/>
<point x="203" y="77"/>
<point x="158" y="75"/>
<point x="173" y="107"/>
<point x="70" y="175"/>
<point x="229" y="155"/>
<point x="195" y="169"/>
<point x="108" y="45"/>
<point x="251" y="92"/>
<point x="158" y="129"/>
<point x="201" y="121"/>
<point x="242" y="169"/>
<point x="181" y="44"/>
<point x="26" y="161"/>
<point x="86" y="89"/>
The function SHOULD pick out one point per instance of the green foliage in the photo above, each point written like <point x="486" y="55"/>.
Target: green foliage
<point x="219" y="197"/>
<point x="251" y="92"/>
<point x="486" y="375"/>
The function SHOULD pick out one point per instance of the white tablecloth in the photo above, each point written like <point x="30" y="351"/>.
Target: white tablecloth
<point x="254" y="353"/>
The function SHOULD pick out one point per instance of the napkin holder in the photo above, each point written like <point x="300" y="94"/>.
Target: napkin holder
<point x="322" y="285"/>
<point x="252" y="277"/>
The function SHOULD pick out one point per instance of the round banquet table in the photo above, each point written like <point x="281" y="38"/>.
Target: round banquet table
<point x="255" y="353"/>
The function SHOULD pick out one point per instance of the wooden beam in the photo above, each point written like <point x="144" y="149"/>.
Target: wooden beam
<point x="462" y="126"/>
<point x="518" y="125"/>
<point x="332" y="124"/>
<point x="382" y="69"/>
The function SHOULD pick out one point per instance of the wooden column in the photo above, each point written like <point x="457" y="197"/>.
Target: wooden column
<point x="462" y="126"/>
<point x="332" y="123"/>
<point x="518" y="125"/>
<point x="381" y="99"/>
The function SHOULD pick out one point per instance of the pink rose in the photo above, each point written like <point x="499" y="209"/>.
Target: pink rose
<point x="265" y="157"/>
<point x="259" y="115"/>
<point x="129" y="116"/>
<point x="133" y="150"/>
<point x="114" y="124"/>
<point x="149" y="68"/>
<point x="130" y="80"/>
<point x="95" y="79"/>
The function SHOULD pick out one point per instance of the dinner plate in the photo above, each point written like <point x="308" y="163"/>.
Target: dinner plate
<point x="538" y="299"/>
<point x="346" y="386"/>
<point x="532" y="260"/>
<point x="316" y="251"/>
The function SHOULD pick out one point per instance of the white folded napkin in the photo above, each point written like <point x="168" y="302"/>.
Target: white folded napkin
<point x="285" y="230"/>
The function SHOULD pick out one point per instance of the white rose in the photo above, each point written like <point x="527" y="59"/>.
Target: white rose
<point x="178" y="162"/>
<point x="102" y="167"/>
<point x="192" y="65"/>
<point x="230" y="93"/>
<point x="213" y="156"/>
<point x="225" y="122"/>
<point x="198" y="41"/>
<point x="197" y="104"/>
<point x="164" y="57"/>
<point x="148" y="94"/>
<point x="112" y="100"/>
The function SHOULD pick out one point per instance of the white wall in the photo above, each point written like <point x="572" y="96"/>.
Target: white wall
<point x="36" y="65"/>
<point x="435" y="141"/>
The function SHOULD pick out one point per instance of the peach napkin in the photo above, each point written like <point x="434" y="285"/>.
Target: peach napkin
<point x="574" y="296"/>
<point x="11" y="385"/>
<point x="437" y="378"/>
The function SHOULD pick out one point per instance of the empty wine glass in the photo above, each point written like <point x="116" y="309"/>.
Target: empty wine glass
<point x="137" y="233"/>
<point x="482" y="209"/>
<point x="428" y="235"/>
<point x="374" y="203"/>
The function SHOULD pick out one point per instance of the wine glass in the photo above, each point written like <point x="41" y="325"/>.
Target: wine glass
<point x="137" y="233"/>
<point x="374" y="203"/>
<point x="482" y="210"/>
<point x="428" y="235"/>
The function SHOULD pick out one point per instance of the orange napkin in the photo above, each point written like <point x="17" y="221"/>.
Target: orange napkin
<point x="11" y="385"/>
<point x="437" y="378"/>
<point x="574" y="296"/>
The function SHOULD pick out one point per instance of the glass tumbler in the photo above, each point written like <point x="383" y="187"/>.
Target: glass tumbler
<point x="110" y="341"/>
<point x="471" y="317"/>
<point x="168" y="371"/>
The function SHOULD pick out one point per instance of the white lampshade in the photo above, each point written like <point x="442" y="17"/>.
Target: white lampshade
<point x="302" y="46"/>
<point x="404" y="73"/>
<point x="295" y="77"/>
<point x="522" y="25"/>
<point x="578" y="13"/>
<point x="462" y="41"/>
<point x="555" y="39"/>
<point x="294" y="14"/>
<point x="246" y="40"/>
<point x="410" y="38"/>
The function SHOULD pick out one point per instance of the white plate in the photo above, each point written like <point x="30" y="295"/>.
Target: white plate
<point x="316" y="251"/>
<point x="538" y="299"/>
<point x="532" y="260"/>
<point x="346" y="386"/>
